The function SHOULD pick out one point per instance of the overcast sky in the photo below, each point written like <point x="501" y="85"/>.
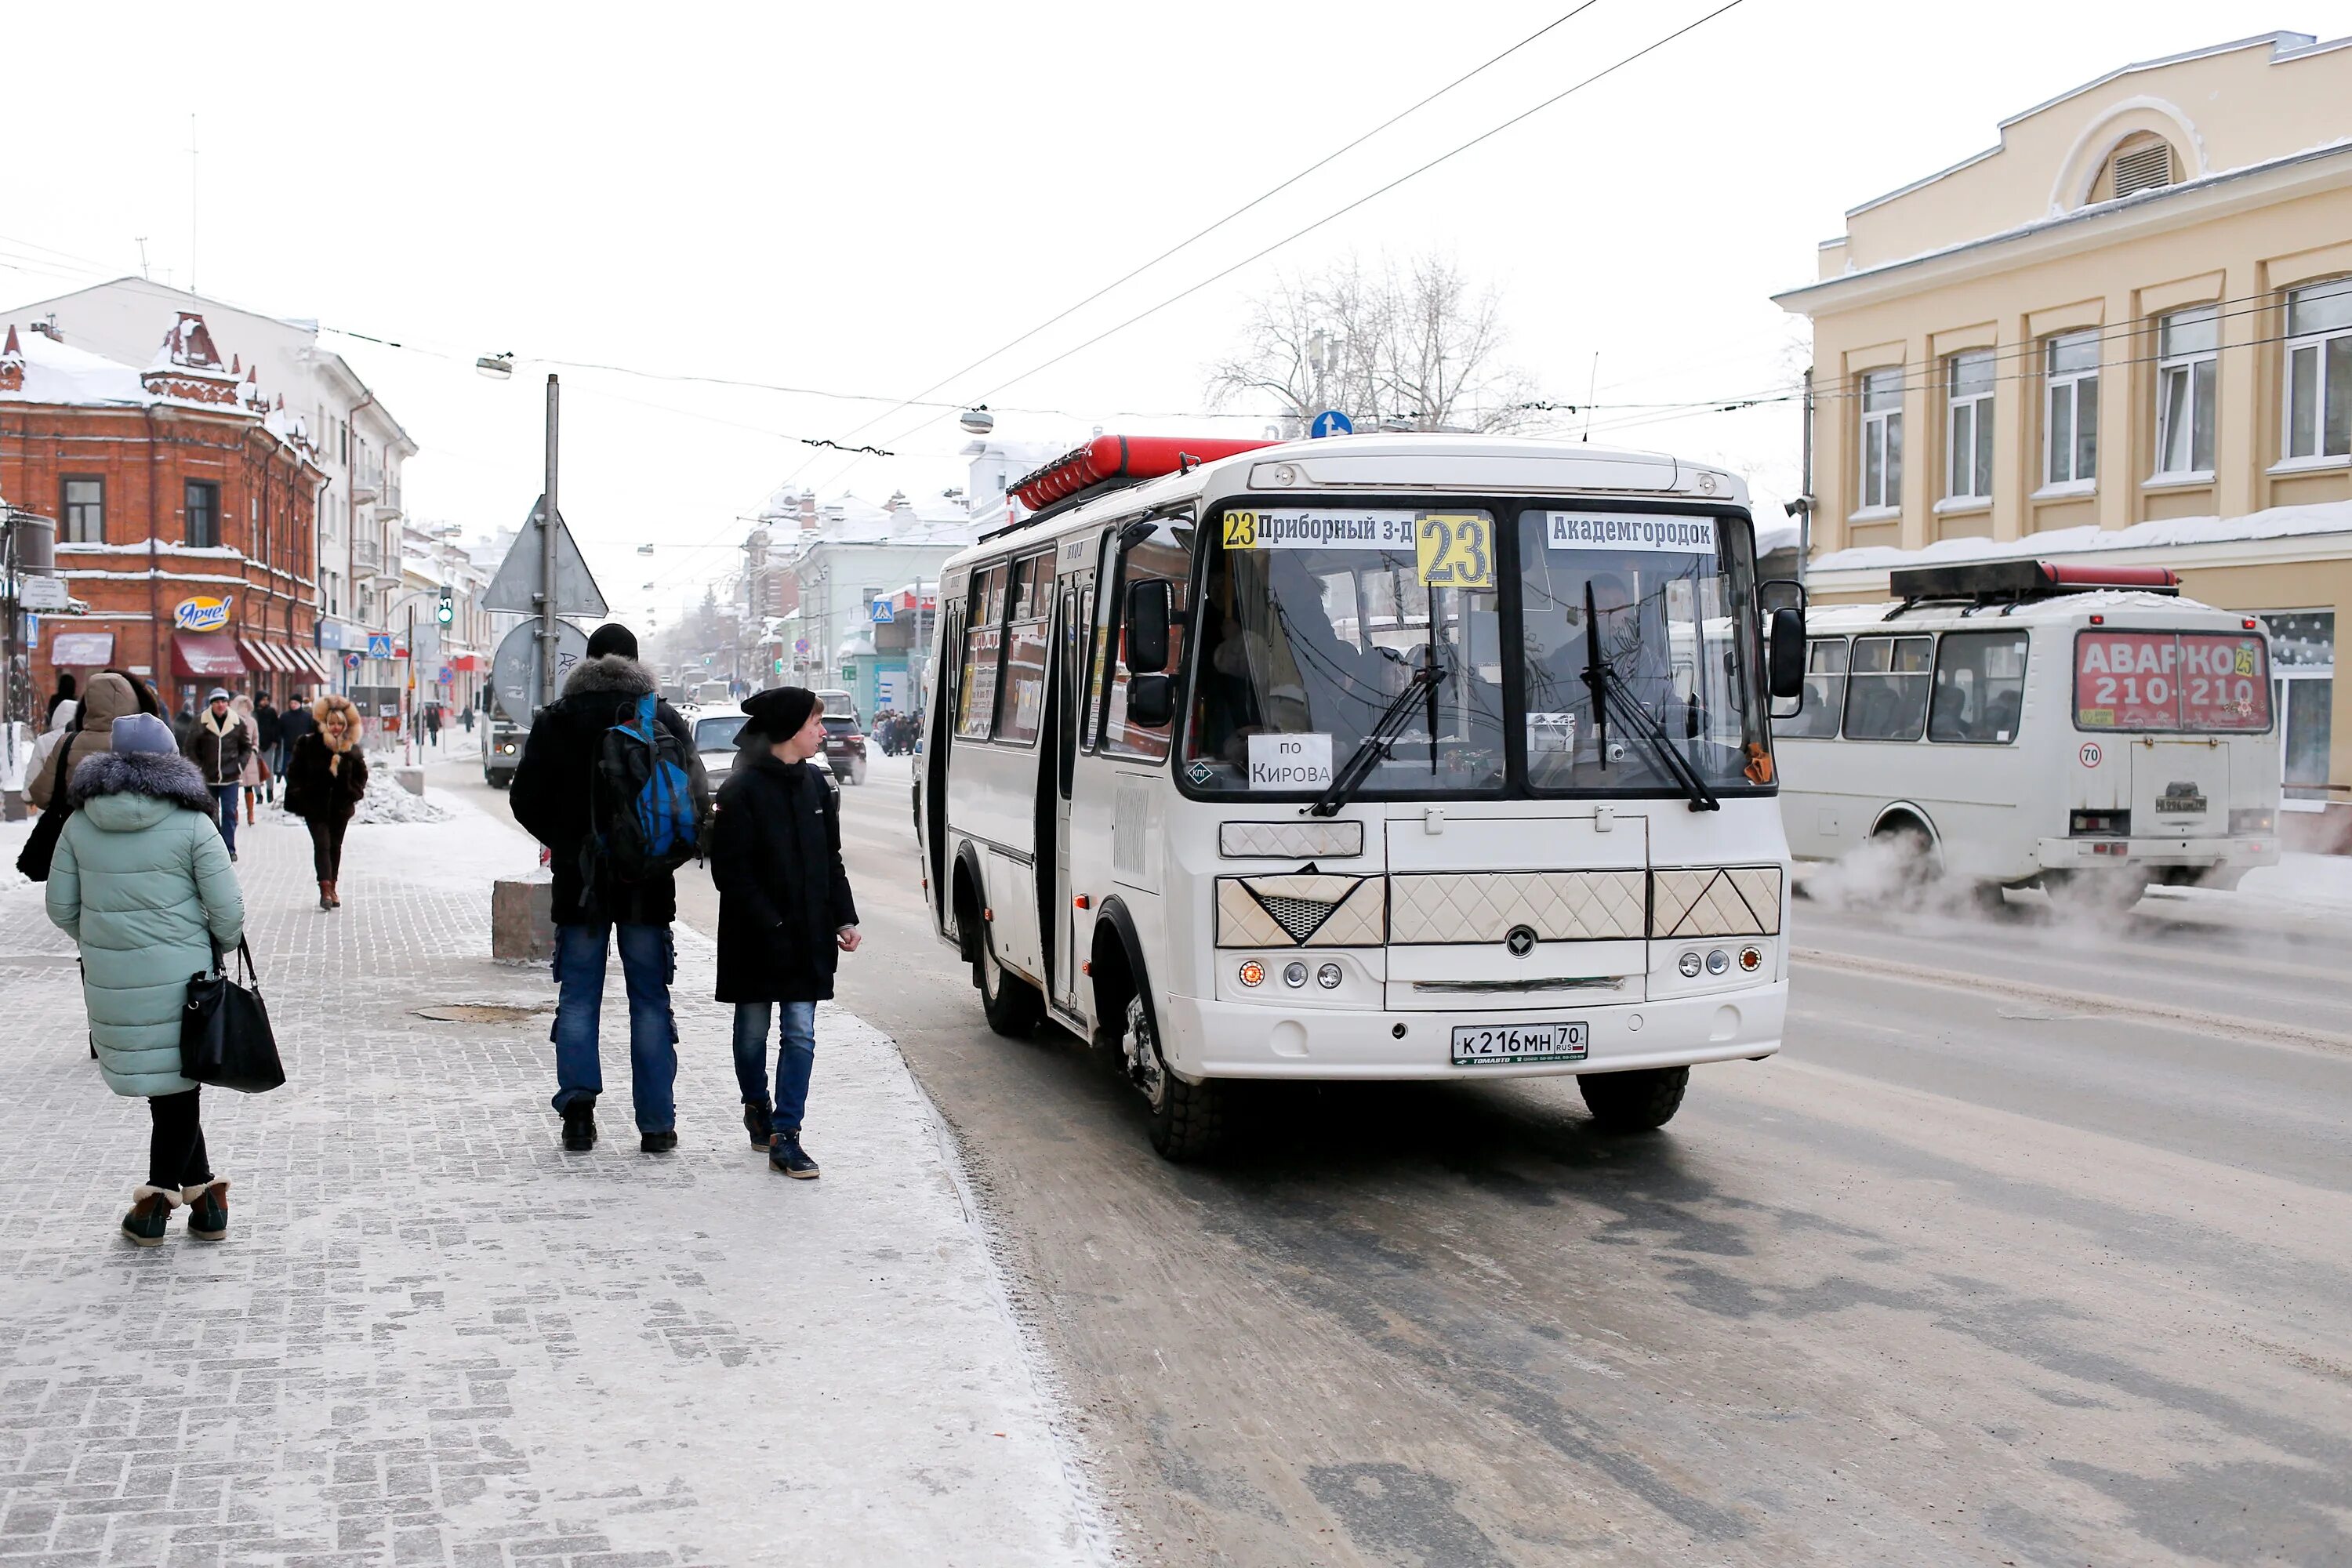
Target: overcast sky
<point x="860" y="199"/>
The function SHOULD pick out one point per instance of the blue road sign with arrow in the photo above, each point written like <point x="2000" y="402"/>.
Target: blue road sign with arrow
<point x="1331" y="422"/>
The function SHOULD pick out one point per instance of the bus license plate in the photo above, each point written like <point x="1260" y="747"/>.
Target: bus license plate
<point x="1479" y="1045"/>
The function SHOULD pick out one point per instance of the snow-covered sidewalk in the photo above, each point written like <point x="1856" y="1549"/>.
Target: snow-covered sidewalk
<point x="434" y="1336"/>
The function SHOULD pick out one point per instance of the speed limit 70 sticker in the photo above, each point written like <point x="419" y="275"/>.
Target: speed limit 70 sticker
<point x="2092" y="756"/>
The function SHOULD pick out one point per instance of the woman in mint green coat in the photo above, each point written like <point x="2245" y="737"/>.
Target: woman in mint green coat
<point x="142" y="882"/>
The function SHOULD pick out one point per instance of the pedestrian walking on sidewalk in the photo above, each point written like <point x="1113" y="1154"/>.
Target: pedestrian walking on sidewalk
<point x="292" y="724"/>
<point x="558" y="796"/>
<point x="107" y="697"/>
<point x="254" y="771"/>
<point x="65" y="692"/>
<point x="325" y="778"/>
<point x="273" y="739"/>
<point x="433" y="723"/>
<point x="141" y="882"/>
<point x="785" y="912"/>
<point x="219" y="744"/>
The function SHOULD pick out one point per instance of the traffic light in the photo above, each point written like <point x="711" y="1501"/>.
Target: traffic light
<point x="445" y="611"/>
<point x="779" y="666"/>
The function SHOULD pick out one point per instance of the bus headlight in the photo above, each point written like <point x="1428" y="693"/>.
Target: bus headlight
<point x="1328" y="977"/>
<point x="1294" y="975"/>
<point x="1253" y="973"/>
<point x="1690" y="964"/>
<point x="1718" y="962"/>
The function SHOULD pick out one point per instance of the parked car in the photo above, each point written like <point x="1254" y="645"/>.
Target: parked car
<point x="714" y="743"/>
<point x="845" y="747"/>
<point x="502" y="741"/>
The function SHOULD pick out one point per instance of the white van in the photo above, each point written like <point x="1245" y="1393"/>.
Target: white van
<point x="1376" y="757"/>
<point x="2015" y="723"/>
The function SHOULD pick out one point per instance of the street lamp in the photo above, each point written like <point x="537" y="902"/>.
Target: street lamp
<point x="497" y="367"/>
<point x="979" y="421"/>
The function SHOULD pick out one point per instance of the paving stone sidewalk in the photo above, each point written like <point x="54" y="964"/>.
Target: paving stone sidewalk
<point x="434" y="1338"/>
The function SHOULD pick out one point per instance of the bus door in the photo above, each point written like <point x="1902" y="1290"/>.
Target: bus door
<point x="1060" y="915"/>
<point x="938" y="736"/>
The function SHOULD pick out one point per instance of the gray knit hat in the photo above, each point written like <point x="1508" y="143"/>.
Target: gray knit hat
<point x="143" y="732"/>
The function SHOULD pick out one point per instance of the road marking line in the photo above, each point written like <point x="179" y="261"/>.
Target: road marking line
<point x="2255" y="1031"/>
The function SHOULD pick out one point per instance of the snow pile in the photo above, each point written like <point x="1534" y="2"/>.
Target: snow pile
<point x="2167" y="534"/>
<point x="386" y="802"/>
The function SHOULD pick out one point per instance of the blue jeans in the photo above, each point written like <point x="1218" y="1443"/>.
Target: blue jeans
<point x="226" y="795"/>
<point x="648" y="963"/>
<point x="795" y="1057"/>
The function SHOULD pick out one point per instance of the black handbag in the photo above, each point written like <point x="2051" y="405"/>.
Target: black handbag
<point x="225" y="1036"/>
<point x="41" y="843"/>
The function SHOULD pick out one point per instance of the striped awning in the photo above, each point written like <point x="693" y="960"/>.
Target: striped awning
<point x="262" y="655"/>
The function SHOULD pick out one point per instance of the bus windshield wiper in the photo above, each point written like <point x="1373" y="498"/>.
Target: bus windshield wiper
<point x="1609" y="695"/>
<point x="1361" y="762"/>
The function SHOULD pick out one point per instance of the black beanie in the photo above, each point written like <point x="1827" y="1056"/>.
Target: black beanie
<point x="612" y="638"/>
<point x="780" y="711"/>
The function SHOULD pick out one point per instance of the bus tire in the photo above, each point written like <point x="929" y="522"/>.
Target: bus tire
<point x="1013" y="1007"/>
<point x="1637" y="1101"/>
<point x="1187" y="1119"/>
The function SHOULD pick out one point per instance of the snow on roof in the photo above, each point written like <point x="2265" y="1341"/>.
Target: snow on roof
<point x="2276" y="523"/>
<point x="59" y="372"/>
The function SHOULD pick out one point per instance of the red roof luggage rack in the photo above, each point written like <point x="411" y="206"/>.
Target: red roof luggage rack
<point x="1121" y="460"/>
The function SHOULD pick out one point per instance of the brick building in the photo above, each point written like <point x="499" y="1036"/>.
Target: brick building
<point x="185" y="498"/>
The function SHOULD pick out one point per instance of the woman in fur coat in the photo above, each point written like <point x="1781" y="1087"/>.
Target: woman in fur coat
<point x="325" y="777"/>
<point x="143" y="883"/>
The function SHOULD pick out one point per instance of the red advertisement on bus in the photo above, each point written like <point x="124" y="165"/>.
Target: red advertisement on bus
<point x="2195" y="681"/>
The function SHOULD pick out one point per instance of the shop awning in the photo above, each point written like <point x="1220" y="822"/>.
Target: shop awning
<point x="206" y="655"/>
<point x="314" y="663"/>
<point x="78" y="650"/>
<point x="464" y="661"/>
<point x="266" y="657"/>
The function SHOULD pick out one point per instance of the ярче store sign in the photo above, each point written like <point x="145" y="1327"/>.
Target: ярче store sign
<point x="200" y="614"/>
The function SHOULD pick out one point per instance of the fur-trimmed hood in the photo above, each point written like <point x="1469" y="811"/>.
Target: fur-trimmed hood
<point x="612" y="673"/>
<point x="151" y="776"/>
<point x="336" y="702"/>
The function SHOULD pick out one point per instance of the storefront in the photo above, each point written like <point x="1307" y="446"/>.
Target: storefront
<point x="200" y="662"/>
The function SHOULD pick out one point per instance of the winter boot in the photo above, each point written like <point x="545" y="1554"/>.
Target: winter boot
<point x="207" y="1211"/>
<point x="151" y="1212"/>
<point x="757" y="1121"/>
<point x="579" y="1124"/>
<point x="787" y="1156"/>
<point x="326" y="898"/>
<point x="662" y="1142"/>
<point x="335" y="895"/>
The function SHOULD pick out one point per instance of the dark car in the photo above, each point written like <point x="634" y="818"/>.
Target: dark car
<point x="845" y="747"/>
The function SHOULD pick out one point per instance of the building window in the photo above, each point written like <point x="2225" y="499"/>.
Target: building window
<point x="1969" y="392"/>
<point x="2070" y="435"/>
<point x="2303" y="679"/>
<point x="85" y="509"/>
<point x="203" y="507"/>
<point x="1882" y="439"/>
<point x="2187" y="345"/>
<point x="2319" y="370"/>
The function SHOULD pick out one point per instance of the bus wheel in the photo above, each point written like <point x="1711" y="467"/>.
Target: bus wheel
<point x="1188" y="1120"/>
<point x="1012" y="1004"/>
<point x="1633" y="1101"/>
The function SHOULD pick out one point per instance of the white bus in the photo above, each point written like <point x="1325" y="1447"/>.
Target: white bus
<point x="2015" y="723"/>
<point x="1259" y="761"/>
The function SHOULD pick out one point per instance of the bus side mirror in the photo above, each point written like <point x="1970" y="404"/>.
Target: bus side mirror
<point x="1785" y="660"/>
<point x="1149" y="605"/>
<point x="1151" y="700"/>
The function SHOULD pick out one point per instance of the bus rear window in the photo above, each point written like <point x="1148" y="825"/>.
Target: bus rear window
<point x="2182" y="681"/>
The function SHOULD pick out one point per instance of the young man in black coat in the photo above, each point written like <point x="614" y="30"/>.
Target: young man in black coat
<point x="549" y="797"/>
<point x="784" y="910"/>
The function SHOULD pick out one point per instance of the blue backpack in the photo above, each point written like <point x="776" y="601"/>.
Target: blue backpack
<point x="641" y="806"/>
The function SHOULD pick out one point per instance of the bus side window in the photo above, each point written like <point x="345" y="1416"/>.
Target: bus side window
<point x="1886" y="689"/>
<point x="1979" y="687"/>
<point x="984" y="646"/>
<point x="1165" y="552"/>
<point x="1103" y="596"/>
<point x="1021" y="694"/>
<point x="1825" y="661"/>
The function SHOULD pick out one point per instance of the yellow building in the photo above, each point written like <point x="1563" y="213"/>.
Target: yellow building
<point x="2123" y="334"/>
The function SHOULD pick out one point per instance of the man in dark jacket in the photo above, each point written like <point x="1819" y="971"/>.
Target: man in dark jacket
<point x="784" y="910"/>
<point x="552" y="799"/>
<point x="293" y="723"/>
<point x="219" y="744"/>
<point x="265" y="719"/>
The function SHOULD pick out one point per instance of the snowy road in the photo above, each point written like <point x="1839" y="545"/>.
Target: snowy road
<point x="2029" y="1248"/>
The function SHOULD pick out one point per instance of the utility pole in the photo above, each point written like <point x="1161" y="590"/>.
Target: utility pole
<point x="408" y="730"/>
<point x="1805" y="501"/>
<point x="547" y="681"/>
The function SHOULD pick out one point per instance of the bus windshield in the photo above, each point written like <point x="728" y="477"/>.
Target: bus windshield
<point x="1314" y="620"/>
